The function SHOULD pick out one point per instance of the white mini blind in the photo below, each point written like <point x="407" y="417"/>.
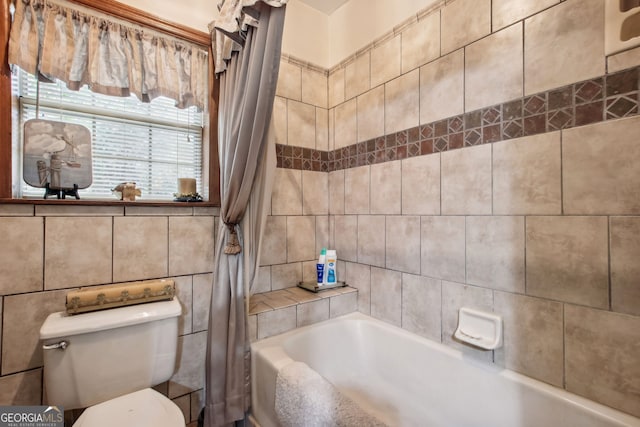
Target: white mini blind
<point x="151" y="144"/>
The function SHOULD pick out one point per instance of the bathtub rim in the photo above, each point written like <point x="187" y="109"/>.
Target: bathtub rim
<point x="277" y="356"/>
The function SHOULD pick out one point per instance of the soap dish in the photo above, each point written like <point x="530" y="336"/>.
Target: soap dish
<point x="313" y="286"/>
<point x="480" y="329"/>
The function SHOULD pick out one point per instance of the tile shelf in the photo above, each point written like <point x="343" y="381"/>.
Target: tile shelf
<point x="283" y="298"/>
<point x="275" y="312"/>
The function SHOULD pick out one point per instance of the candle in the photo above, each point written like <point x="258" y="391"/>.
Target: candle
<point x="186" y="186"/>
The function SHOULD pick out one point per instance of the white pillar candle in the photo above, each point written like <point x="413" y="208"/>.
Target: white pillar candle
<point x="186" y="186"/>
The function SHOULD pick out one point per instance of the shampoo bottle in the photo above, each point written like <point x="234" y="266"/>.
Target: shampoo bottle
<point x="320" y="266"/>
<point x="330" y="267"/>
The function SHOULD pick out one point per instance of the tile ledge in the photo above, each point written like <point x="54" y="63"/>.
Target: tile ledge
<point x="262" y="300"/>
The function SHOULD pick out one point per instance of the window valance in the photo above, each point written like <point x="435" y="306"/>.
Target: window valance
<point x="57" y="40"/>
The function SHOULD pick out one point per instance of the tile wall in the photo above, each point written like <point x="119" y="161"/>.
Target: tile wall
<point x="298" y="224"/>
<point x="484" y="154"/>
<point x="48" y="250"/>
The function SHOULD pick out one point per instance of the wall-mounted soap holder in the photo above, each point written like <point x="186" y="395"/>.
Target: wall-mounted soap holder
<point x="479" y="328"/>
<point x="621" y="25"/>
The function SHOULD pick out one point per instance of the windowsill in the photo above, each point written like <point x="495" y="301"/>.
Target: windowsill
<point x="105" y="202"/>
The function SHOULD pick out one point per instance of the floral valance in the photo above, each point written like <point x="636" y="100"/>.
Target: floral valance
<point x="57" y="40"/>
<point x="227" y="30"/>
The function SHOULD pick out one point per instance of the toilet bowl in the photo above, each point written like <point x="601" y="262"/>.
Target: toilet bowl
<point x="106" y="361"/>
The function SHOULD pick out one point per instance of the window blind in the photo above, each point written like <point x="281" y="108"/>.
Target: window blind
<point x="151" y="144"/>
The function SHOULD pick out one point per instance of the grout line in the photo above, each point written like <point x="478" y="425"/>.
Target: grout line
<point x="441" y="313"/>
<point x="169" y="248"/>
<point x="464" y="88"/>
<point x="466" y="218"/>
<point x="493" y="310"/>
<point x="524" y="67"/>
<point x="440" y="198"/>
<point x="384" y="244"/>
<point x="401" y="298"/>
<point x="401" y="188"/>
<point x="370" y="289"/>
<point x="525" y="218"/>
<point x="286" y="251"/>
<point x="491" y="29"/>
<point x="492" y="181"/>
<point x="609" y="218"/>
<point x="400" y="52"/>
<point x="440" y="38"/>
<point x="564" y="348"/>
<point x="561" y="172"/>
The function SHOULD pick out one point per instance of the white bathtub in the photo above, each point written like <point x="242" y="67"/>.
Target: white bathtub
<point x="405" y="380"/>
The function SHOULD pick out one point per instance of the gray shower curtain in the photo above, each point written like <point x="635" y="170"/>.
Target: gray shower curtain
<point x="247" y="91"/>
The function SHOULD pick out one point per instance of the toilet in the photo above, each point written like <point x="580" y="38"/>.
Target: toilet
<point x="106" y="361"/>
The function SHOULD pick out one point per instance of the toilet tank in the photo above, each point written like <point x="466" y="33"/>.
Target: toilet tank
<point x="108" y="353"/>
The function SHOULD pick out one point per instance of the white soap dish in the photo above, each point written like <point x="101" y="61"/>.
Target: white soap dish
<point x="480" y="329"/>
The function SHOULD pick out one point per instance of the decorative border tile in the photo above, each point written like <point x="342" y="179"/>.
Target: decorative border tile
<point x="603" y="98"/>
<point x="304" y="64"/>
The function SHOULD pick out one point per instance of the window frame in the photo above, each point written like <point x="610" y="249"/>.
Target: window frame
<point x="136" y="16"/>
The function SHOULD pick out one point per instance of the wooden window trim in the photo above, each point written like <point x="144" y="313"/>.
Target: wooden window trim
<point x="137" y="16"/>
<point x="5" y="102"/>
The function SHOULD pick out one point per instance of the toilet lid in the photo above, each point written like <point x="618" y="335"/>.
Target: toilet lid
<point x="144" y="408"/>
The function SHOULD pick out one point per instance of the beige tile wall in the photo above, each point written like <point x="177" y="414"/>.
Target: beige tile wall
<point x="593" y="339"/>
<point x="385" y="64"/>
<point x="48" y="250"/>
<point x="590" y="188"/>
<point x="464" y="21"/>
<point x="501" y="50"/>
<point x="402" y="99"/>
<point x="370" y="117"/>
<point x="421" y="43"/>
<point x="442" y="87"/>
<point x="542" y="229"/>
<point x="527" y="267"/>
<point x="357" y="76"/>
<point x="554" y="41"/>
<point x="505" y="12"/>
<point x="526" y="176"/>
<point x="371" y="239"/>
<point x="296" y="229"/>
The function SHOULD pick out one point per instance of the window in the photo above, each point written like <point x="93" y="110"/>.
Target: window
<point x="12" y="114"/>
<point x="151" y="144"/>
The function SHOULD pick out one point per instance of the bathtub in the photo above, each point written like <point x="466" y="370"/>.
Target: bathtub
<point x="405" y="380"/>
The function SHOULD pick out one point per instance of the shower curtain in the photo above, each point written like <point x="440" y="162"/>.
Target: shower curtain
<point x="246" y="44"/>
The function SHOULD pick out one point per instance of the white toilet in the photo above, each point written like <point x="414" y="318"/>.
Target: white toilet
<point x="106" y="361"/>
